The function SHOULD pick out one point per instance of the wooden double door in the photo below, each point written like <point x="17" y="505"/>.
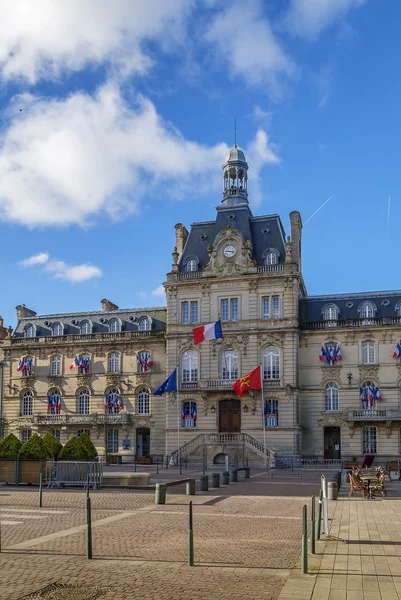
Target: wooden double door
<point x="230" y="416"/>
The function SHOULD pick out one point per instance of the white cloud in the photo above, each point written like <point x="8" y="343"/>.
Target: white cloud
<point x="66" y="161"/>
<point x="307" y="18"/>
<point x="36" y="259"/>
<point x="324" y="83"/>
<point x="262" y="117"/>
<point x="245" y="39"/>
<point x="159" y="292"/>
<point x="41" y="39"/>
<point x="259" y="153"/>
<point x="148" y="297"/>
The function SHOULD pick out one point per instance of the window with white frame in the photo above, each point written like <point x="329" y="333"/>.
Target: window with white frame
<point x="85" y="327"/>
<point x="113" y="402"/>
<point x="53" y="402"/>
<point x="189" y="312"/>
<point x="271" y="258"/>
<point x="271" y="307"/>
<point x="27" y="404"/>
<point x="144" y="324"/>
<point x="229" y="364"/>
<point x="25" y="435"/>
<point x="271" y="363"/>
<point x="368" y="353"/>
<point x="29" y="331"/>
<point x="330" y="313"/>
<point x="56" y="433"/>
<point x="367" y="310"/>
<point x="114" y="326"/>
<point x="369" y="440"/>
<point x="57" y="329"/>
<point x="114" y="362"/>
<point x="189" y="366"/>
<point x="112" y="441"/>
<point x="331" y="397"/>
<point x="83" y="402"/>
<point x="191" y="265"/>
<point x="81" y="431"/>
<point x="229" y="309"/>
<point x="189" y="414"/>
<point x="398" y="309"/>
<point x="271" y="413"/>
<point x="55" y="365"/>
<point x="276" y="307"/>
<point x="143" y="401"/>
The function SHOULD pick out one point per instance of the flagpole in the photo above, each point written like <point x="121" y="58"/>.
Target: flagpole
<point x="178" y="418"/>
<point x="263" y="412"/>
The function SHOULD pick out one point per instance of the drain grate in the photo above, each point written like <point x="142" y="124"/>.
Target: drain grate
<point x="61" y="591"/>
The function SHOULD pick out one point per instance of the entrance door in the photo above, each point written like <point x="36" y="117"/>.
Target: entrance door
<point x="332" y="440"/>
<point x="143" y="442"/>
<point x="230" y="416"/>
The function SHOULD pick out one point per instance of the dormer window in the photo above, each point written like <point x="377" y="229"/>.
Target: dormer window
<point x="29" y="331"/>
<point x="86" y="327"/>
<point x="330" y="313"/>
<point x="57" y="329"/>
<point x="271" y="258"/>
<point x="398" y="309"/>
<point x="367" y="310"/>
<point x="114" y="325"/>
<point x="191" y="265"/>
<point x="144" y="324"/>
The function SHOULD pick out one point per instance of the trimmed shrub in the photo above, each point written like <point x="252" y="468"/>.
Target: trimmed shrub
<point x="88" y="445"/>
<point x="10" y="446"/>
<point x="73" y="449"/>
<point x="34" y="448"/>
<point x="52" y="444"/>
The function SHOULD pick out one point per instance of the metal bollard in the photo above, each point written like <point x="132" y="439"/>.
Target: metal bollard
<point x="234" y="476"/>
<point x="190" y="487"/>
<point x="157" y="466"/>
<point x="160" y="494"/>
<point x="0" y="534"/>
<point x="304" y="557"/>
<point x="215" y="480"/>
<point x="190" y="537"/>
<point x="312" y="527"/>
<point x="319" y="515"/>
<point x="40" y="490"/>
<point x="225" y="477"/>
<point x="88" y="528"/>
<point x="180" y="466"/>
<point x="331" y="490"/>
<point x="87" y="486"/>
<point x="204" y="483"/>
<point x="247" y="473"/>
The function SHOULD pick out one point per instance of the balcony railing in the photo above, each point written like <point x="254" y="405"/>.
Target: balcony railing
<point x="374" y="414"/>
<point x="270" y="268"/>
<point x="117" y="335"/>
<point x="190" y="275"/>
<point x="92" y="419"/>
<point x="271" y="383"/>
<point x="373" y="322"/>
<point x="189" y="385"/>
<point x="219" y="383"/>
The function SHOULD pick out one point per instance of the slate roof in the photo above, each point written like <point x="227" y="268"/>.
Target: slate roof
<point x="310" y="307"/>
<point x="129" y="320"/>
<point x="252" y="228"/>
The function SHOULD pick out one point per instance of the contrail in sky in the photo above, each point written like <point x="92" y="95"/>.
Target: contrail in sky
<point x="388" y="215"/>
<point x="316" y="211"/>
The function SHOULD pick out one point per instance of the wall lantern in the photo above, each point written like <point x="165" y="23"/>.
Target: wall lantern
<point x="213" y="409"/>
<point x="245" y="408"/>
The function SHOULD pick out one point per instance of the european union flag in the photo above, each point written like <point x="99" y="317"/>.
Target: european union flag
<point x="170" y="385"/>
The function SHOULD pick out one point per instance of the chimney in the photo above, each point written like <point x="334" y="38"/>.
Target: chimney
<point x="181" y="236"/>
<point x="296" y="234"/>
<point x="22" y="311"/>
<point x="1" y="322"/>
<point x="107" y="305"/>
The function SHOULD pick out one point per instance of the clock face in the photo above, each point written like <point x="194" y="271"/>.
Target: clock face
<point x="229" y="251"/>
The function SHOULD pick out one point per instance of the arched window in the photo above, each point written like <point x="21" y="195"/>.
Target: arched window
<point x="53" y="402"/>
<point x="57" y="329"/>
<point x="29" y="331"/>
<point x="271" y="413"/>
<point x="191" y="265"/>
<point x="114" y="363"/>
<point x="27" y="404"/>
<point x="189" y="414"/>
<point x="144" y="324"/>
<point x="143" y="401"/>
<point x="85" y="327"/>
<point x="112" y="401"/>
<point x="229" y="364"/>
<point x="271" y="258"/>
<point x="114" y="326"/>
<point x="367" y="310"/>
<point x="190" y="366"/>
<point x="330" y="312"/>
<point x="398" y="309"/>
<point x="271" y="363"/>
<point x="368" y="353"/>
<point x="83" y="402"/>
<point x="55" y="365"/>
<point x="331" y="397"/>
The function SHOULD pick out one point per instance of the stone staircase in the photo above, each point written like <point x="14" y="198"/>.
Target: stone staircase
<point x="225" y="439"/>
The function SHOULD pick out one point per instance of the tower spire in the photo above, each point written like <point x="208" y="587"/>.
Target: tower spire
<point x="235" y="132"/>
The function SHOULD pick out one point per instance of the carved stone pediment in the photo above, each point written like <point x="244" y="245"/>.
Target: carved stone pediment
<point x="331" y="373"/>
<point x="368" y="372"/>
<point x="54" y="381"/>
<point x="239" y="263"/>
<point x="113" y="379"/>
<point x="143" y="378"/>
<point x="333" y="420"/>
<point x="84" y="380"/>
<point x="143" y="421"/>
<point x="270" y="338"/>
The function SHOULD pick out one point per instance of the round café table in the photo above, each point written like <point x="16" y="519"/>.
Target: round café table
<point x="368" y="479"/>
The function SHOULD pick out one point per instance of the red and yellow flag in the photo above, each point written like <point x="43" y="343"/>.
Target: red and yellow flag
<point x="250" y="381"/>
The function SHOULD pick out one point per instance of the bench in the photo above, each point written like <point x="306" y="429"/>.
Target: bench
<point x="234" y="473"/>
<point x="161" y="489"/>
<point x="127" y="480"/>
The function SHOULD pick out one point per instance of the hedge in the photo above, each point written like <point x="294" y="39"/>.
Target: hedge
<point x="34" y="448"/>
<point x="52" y="444"/>
<point x="10" y="446"/>
<point x="88" y="445"/>
<point x="73" y="449"/>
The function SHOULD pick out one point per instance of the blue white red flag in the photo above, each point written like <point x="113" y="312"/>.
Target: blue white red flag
<point x="83" y="364"/>
<point x="338" y="355"/>
<point x="397" y="351"/>
<point x="194" y="412"/>
<point x="145" y="361"/>
<point x="377" y="394"/>
<point x="21" y="364"/>
<point x="74" y="363"/>
<point x="211" y="331"/>
<point x="362" y="394"/>
<point x="322" y="355"/>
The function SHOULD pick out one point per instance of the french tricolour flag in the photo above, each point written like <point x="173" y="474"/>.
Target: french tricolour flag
<point x="211" y="331"/>
<point x="397" y="351"/>
<point x="322" y="355"/>
<point x="74" y="363"/>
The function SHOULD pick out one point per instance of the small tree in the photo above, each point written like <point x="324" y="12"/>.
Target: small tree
<point x="73" y="449"/>
<point x="34" y="448"/>
<point x="88" y="445"/>
<point x="52" y="444"/>
<point x="10" y="446"/>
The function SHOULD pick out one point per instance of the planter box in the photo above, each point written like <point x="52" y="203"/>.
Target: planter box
<point x="21" y="471"/>
<point x="144" y="460"/>
<point x="350" y="464"/>
<point x="7" y="470"/>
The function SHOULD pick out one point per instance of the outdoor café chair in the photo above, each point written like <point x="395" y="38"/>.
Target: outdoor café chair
<point x="356" y="485"/>
<point x="379" y="485"/>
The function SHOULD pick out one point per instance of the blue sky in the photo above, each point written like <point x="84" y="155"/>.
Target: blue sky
<point x="115" y="123"/>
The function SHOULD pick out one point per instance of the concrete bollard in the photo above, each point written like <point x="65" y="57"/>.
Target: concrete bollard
<point x="215" y="480"/>
<point x="225" y="477"/>
<point x="160" y="494"/>
<point x="204" y="483"/>
<point x="234" y="476"/>
<point x="190" y="487"/>
<point x="332" y="490"/>
<point x="247" y="473"/>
